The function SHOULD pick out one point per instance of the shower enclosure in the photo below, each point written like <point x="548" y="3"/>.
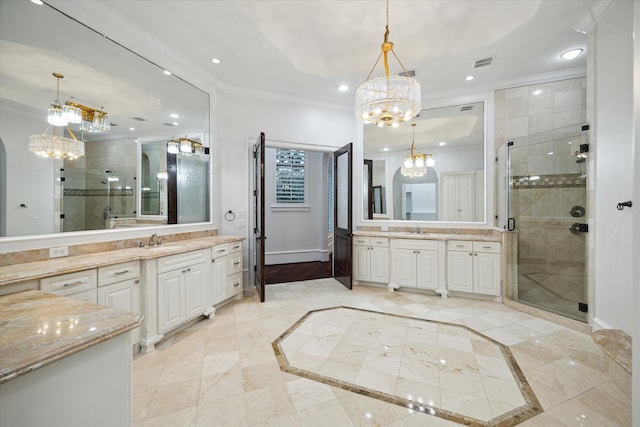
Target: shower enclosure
<point x="546" y="201"/>
<point x="91" y="198"/>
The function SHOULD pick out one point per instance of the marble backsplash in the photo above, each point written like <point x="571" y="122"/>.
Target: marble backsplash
<point x="42" y="254"/>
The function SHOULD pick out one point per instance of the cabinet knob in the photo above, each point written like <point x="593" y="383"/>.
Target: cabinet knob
<point x="470" y="254"/>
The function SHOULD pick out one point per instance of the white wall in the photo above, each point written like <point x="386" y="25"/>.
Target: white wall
<point x="30" y="179"/>
<point x="298" y="234"/>
<point x="613" y="106"/>
<point x="239" y="121"/>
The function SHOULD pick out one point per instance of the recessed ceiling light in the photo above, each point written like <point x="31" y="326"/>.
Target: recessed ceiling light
<point x="215" y="60"/>
<point x="537" y="92"/>
<point x="343" y="88"/>
<point x="385" y="149"/>
<point x="551" y="153"/>
<point x="175" y="123"/>
<point x="168" y="73"/>
<point x="442" y="143"/>
<point x="469" y="78"/>
<point x="174" y="116"/>
<point x="571" y="54"/>
<point x="38" y="2"/>
<point x="132" y="128"/>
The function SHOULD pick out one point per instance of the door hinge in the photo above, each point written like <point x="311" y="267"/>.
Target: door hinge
<point x="255" y="154"/>
<point x="585" y="127"/>
<point x="583" y="307"/>
<point x="61" y="216"/>
<point x="584" y="148"/>
<point x="509" y="144"/>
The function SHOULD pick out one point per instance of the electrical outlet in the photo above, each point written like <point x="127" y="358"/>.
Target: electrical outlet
<point x="616" y="237"/>
<point x="58" y="252"/>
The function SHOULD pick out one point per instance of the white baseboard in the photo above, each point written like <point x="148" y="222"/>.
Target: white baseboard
<point x="288" y="257"/>
<point x="597" y="324"/>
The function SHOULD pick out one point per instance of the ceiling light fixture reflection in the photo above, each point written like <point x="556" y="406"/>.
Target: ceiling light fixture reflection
<point x="389" y="99"/>
<point x="571" y="54"/>
<point x="442" y="143"/>
<point x="469" y="78"/>
<point x="168" y="73"/>
<point x="415" y="165"/>
<point x="215" y="60"/>
<point x="174" y="116"/>
<point x="38" y="2"/>
<point x="343" y="88"/>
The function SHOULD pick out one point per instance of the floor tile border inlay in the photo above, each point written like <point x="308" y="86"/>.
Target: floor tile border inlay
<point x="516" y="416"/>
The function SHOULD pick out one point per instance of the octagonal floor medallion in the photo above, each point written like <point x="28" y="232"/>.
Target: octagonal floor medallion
<point x="440" y="369"/>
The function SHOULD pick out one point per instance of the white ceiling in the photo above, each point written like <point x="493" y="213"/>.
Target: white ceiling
<point x="306" y="49"/>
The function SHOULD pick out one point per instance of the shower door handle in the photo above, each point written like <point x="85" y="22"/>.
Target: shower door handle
<point x="511" y="224"/>
<point x="578" y="228"/>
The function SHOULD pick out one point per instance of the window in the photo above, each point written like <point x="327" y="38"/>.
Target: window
<point x="290" y="176"/>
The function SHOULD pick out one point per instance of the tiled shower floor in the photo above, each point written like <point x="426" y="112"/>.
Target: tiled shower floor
<point x="225" y="372"/>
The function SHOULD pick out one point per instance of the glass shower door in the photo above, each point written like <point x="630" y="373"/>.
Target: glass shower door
<point x="547" y="203"/>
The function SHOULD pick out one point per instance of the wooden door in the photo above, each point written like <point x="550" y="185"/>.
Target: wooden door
<point x="342" y="208"/>
<point x="258" y="193"/>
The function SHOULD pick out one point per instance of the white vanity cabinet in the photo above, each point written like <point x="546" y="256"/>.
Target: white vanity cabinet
<point x="219" y="273"/>
<point x="182" y="287"/>
<point x="371" y="259"/>
<point x="80" y="285"/>
<point x="473" y="267"/>
<point x="234" y="280"/>
<point x="417" y="264"/>
<point x="119" y="287"/>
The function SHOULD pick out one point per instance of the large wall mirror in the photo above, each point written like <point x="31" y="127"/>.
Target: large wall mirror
<point x="126" y="178"/>
<point x="447" y="184"/>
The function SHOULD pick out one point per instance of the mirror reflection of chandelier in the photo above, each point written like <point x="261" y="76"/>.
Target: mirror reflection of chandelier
<point x="415" y="165"/>
<point x="58" y="115"/>
<point x="388" y="100"/>
<point x="89" y="119"/>
<point x="185" y="146"/>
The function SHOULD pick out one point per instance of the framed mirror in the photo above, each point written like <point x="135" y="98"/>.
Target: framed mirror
<point x="146" y="107"/>
<point x="448" y="183"/>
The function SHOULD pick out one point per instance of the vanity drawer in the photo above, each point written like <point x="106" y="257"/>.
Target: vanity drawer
<point x="362" y="241"/>
<point x="72" y="283"/>
<point x="380" y="242"/>
<point x="418" y="244"/>
<point x="235" y="247"/>
<point x="220" y="250"/>
<point x="491" y="247"/>
<point x="235" y="284"/>
<point x="234" y="263"/>
<point x="460" y="245"/>
<point x="118" y="272"/>
<point x="174" y="262"/>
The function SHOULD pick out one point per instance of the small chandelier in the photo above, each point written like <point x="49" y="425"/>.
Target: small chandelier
<point x="388" y="100"/>
<point x="415" y="165"/>
<point x="90" y="119"/>
<point x="185" y="146"/>
<point x="59" y="147"/>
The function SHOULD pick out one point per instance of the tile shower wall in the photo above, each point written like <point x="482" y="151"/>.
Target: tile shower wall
<point x="85" y="196"/>
<point x="527" y="110"/>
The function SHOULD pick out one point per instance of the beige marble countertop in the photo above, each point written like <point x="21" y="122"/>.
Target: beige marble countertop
<point x="491" y="237"/>
<point x="39" y="328"/>
<point x="39" y="269"/>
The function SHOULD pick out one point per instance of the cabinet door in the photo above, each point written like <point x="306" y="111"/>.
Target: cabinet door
<point x="235" y="284"/>
<point x="124" y="295"/>
<point x="466" y="188"/>
<point x="427" y="268"/>
<point x="171" y="301"/>
<point x="486" y="273"/>
<point x="361" y="259"/>
<point x="460" y="271"/>
<point x="379" y="264"/>
<point x="406" y="267"/>
<point x="218" y="286"/>
<point x="196" y="277"/>
<point x="86" y="296"/>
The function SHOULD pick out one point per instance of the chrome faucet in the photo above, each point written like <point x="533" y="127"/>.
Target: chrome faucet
<point x="158" y="239"/>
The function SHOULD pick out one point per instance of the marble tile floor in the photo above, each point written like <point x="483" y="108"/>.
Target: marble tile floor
<point x="224" y="371"/>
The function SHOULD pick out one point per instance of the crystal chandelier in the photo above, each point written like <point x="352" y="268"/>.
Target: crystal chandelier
<point x="89" y="119"/>
<point x="60" y="147"/>
<point x="415" y="165"/>
<point x="185" y="146"/>
<point x="388" y="100"/>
